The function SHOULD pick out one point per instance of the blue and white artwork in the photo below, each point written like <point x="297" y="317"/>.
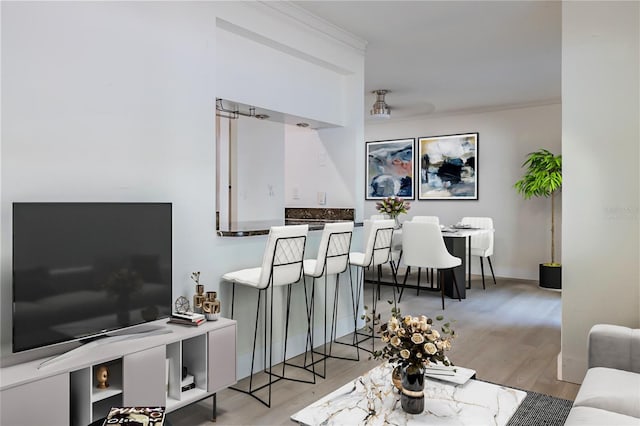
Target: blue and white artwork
<point x="448" y="167"/>
<point x="390" y="170"/>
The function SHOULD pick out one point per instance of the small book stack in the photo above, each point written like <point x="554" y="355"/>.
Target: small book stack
<point x="187" y="318"/>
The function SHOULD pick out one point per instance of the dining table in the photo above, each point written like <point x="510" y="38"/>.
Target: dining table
<point x="457" y="239"/>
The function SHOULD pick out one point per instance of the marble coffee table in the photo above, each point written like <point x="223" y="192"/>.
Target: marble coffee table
<point x="372" y="399"/>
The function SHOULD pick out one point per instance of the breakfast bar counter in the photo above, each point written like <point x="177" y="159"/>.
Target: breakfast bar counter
<point x="316" y="218"/>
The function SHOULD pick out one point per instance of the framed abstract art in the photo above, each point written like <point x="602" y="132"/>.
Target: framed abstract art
<point x="389" y="169"/>
<point x="448" y="167"/>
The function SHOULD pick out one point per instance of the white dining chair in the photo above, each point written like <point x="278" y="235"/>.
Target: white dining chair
<point x="426" y="219"/>
<point x="378" y="235"/>
<point x="379" y="217"/>
<point x="332" y="259"/>
<point x="282" y="265"/>
<point x="423" y="246"/>
<point x="482" y="244"/>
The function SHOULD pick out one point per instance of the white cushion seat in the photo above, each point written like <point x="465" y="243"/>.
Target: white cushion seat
<point x="589" y="416"/>
<point x="356" y="258"/>
<point x="603" y="388"/>
<point x="332" y="252"/>
<point x="249" y="277"/>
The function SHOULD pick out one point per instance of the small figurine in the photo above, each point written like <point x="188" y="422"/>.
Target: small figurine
<point x="199" y="297"/>
<point x="102" y="375"/>
<point x="211" y="306"/>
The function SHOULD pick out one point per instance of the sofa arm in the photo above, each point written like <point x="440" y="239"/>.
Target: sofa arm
<point x="614" y="346"/>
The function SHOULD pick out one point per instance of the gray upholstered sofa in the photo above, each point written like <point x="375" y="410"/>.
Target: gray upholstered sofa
<point x="610" y="392"/>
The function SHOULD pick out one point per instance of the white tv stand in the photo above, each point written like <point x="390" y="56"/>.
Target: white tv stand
<point x="64" y="392"/>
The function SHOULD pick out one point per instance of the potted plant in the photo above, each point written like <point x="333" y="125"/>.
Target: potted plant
<point x="543" y="178"/>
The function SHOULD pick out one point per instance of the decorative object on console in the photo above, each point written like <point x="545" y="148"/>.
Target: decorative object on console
<point x="187" y="318"/>
<point x="413" y="344"/>
<point x="448" y="167"/>
<point x="211" y="306"/>
<point x="543" y="178"/>
<point x="182" y="305"/>
<point x="102" y="377"/>
<point x="389" y="169"/>
<point x="199" y="297"/>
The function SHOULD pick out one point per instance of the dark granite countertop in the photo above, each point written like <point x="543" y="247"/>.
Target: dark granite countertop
<point x="249" y="229"/>
<point x="316" y="218"/>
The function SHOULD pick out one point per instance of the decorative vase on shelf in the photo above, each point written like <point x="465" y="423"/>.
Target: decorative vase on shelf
<point x="412" y="394"/>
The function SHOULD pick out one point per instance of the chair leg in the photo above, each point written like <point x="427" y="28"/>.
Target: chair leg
<point x="255" y="337"/>
<point x="286" y="328"/>
<point x="418" y="289"/>
<point x="440" y="276"/>
<point x="491" y="266"/>
<point x="406" y="274"/>
<point x="233" y="297"/>
<point x="455" y="282"/>
<point x="482" y="272"/>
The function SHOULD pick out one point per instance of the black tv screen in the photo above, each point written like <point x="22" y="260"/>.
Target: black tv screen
<point x="83" y="269"/>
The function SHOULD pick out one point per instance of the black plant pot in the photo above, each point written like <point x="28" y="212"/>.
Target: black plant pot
<point x="551" y="276"/>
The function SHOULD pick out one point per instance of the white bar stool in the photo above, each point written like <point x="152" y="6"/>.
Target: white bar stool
<point x="282" y="265"/>
<point x="333" y="259"/>
<point x="378" y="236"/>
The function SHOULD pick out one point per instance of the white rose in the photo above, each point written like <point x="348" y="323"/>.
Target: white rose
<point x="405" y="353"/>
<point x="430" y="348"/>
<point x="417" y="338"/>
<point x="395" y="341"/>
<point x="435" y="333"/>
<point x="431" y="336"/>
<point x="393" y="325"/>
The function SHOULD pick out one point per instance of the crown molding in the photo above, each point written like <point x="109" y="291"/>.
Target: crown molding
<point x="321" y="26"/>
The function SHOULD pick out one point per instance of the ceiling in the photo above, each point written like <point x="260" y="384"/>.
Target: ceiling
<point x="445" y="57"/>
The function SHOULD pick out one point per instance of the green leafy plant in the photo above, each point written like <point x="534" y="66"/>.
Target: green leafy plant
<point x="543" y="178"/>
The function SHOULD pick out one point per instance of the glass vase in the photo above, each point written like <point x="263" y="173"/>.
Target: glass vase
<point x="412" y="396"/>
<point x="397" y="222"/>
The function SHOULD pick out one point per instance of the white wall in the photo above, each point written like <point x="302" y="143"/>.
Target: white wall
<point x="258" y="172"/>
<point x="313" y="166"/>
<point x="600" y="133"/>
<point x="110" y="102"/>
<point x="115" y="101"/>
<point x="522" y="236"/>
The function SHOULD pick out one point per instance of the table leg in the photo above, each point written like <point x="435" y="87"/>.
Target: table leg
<point x="469" y="257"/>
<point x="456" y="246"/>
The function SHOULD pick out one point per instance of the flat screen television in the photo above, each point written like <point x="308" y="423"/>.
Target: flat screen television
<point x="81" y="270"/>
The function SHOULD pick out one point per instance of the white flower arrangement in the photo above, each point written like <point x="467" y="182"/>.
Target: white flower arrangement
<point x="413" y="341"/>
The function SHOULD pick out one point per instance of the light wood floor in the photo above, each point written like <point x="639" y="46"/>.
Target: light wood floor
<point x="509" y="333"/>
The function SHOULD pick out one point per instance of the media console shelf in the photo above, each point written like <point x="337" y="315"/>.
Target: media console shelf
<point x="65" y="392"/>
